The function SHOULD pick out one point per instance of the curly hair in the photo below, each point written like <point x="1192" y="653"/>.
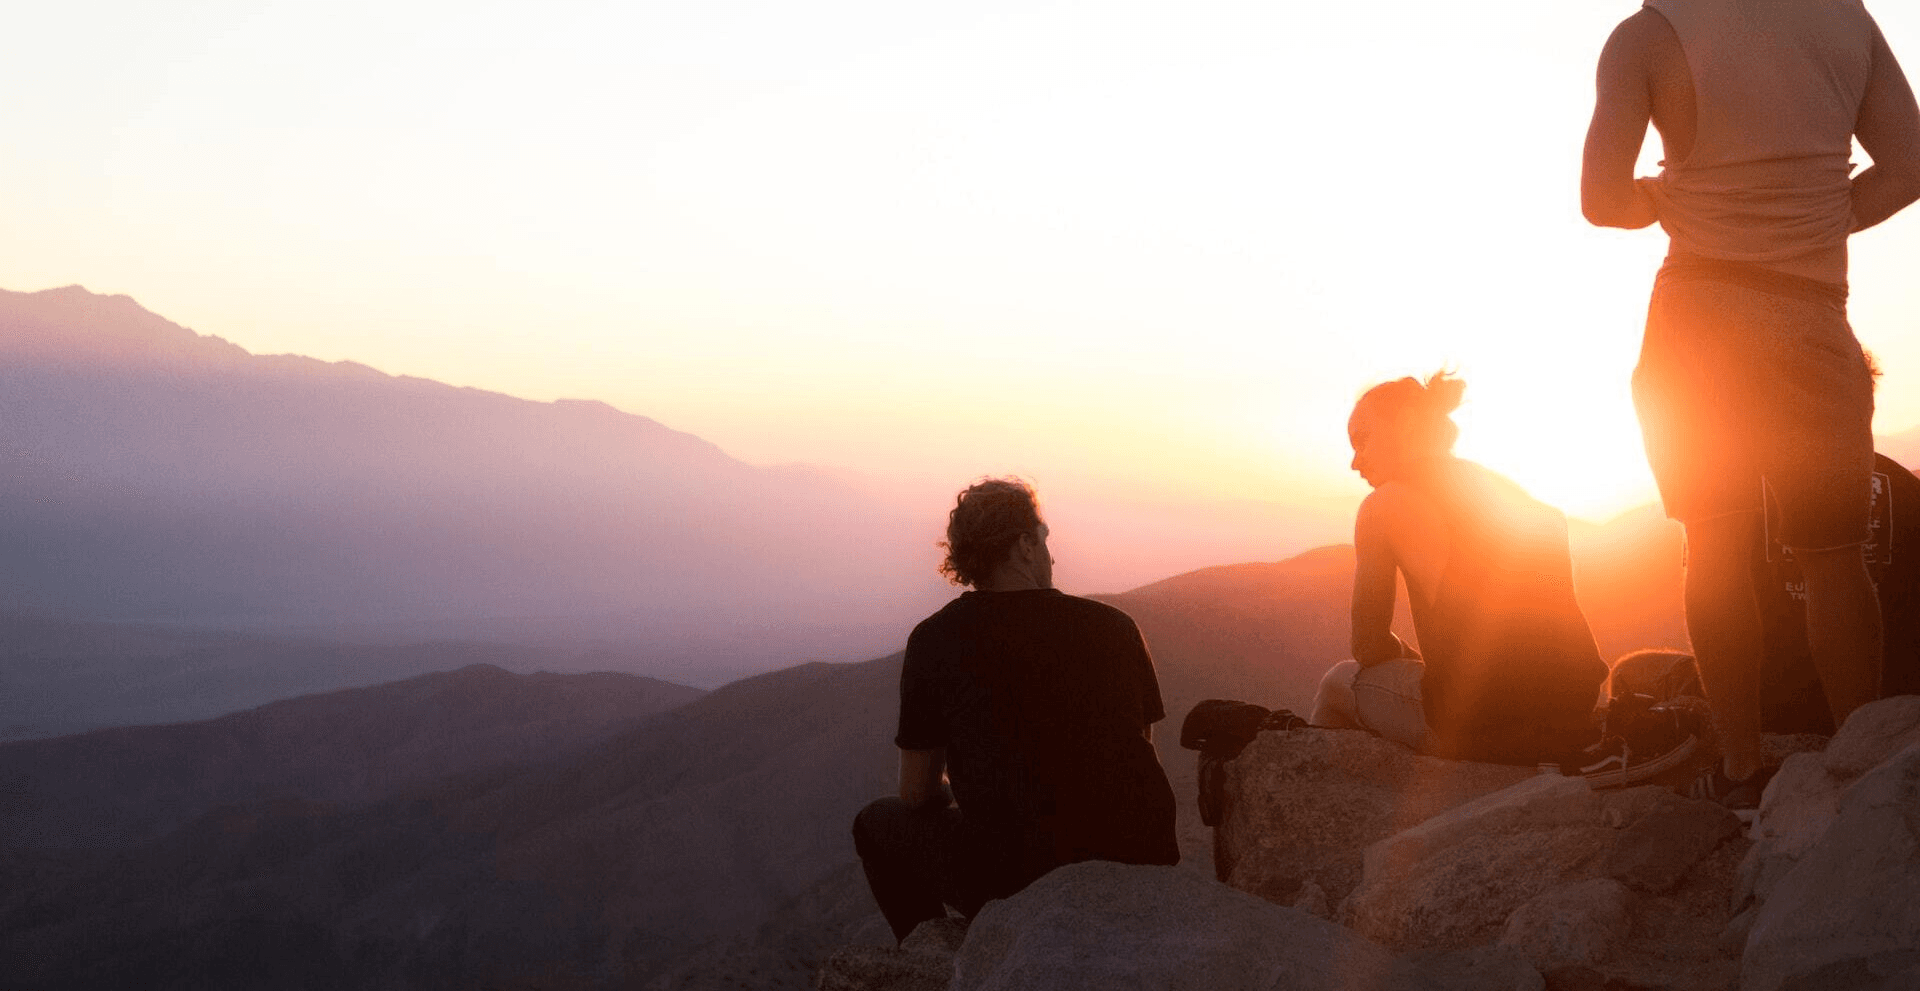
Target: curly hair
<point x="986" y="520"/>
<point x="1429" y="404"/>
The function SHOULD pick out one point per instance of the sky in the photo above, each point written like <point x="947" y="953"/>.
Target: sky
<point x="1142" y="253"/>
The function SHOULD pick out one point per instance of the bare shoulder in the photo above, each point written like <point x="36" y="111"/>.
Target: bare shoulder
<point x="1641" y="42"/>
<point x="1647" y="27"/>
<point x="1392" y="505"/>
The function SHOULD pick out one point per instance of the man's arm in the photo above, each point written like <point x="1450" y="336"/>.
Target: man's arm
<point x="923" y="778"/>
<point x="1623" y="107"/>
<point x="1889" y="129"/>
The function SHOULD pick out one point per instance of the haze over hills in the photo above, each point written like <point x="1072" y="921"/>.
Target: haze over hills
<point x="63" y="676"/>
<point x="119" y="787"/>
<point x="151" y="474"/>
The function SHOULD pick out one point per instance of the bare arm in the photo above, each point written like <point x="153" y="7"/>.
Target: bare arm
<point x="923" y="778"/>
<point x="1623" y="107"/>
<point x="1889" y="129"/>
<point x="1374" y="572"/>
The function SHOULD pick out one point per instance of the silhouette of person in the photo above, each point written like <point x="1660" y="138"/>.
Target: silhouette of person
<point x="1750" y="385"/>
<point x="1507" y="669"/>
<point x="1037" y="707"/>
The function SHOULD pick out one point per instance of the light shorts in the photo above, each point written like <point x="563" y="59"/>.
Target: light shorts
<point x="1385" y="698"/>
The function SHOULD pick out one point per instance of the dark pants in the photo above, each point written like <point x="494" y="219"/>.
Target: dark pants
<point x="914" y="863"/>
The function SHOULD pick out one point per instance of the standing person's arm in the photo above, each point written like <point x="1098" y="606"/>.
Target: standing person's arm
<point x="1374" y="574"/>
<point x="1889" y="129"/>
<point x="1623" y="107"/>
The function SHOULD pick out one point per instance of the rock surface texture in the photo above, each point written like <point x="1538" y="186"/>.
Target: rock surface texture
<point x="1107" y="926"/>
<point x="1836" y="870"/>
<point x="1630" y="887"/>
<point x="1302" y="805"/>
<point x="1445" y="876"/>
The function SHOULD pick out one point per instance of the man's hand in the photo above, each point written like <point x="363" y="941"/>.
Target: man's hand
<point x="923" y="778"/>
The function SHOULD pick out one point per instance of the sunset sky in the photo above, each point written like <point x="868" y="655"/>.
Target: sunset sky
<point x="1143" y="248"/>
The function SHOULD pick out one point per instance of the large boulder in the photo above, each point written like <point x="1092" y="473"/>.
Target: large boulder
<point x="1574" y="925"/>
<point x="1108" y="926"/>
<point x="1630" y="886"/>
<point x="1846" y="914"/>
<point x="1804" y="797"/>
<point x="1453" y="880"/>
<point x="1301" y="805"/>
<point x="922" y="962"/>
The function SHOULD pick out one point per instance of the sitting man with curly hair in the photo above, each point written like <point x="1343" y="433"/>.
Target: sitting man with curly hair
<point x="1025" y="734"/>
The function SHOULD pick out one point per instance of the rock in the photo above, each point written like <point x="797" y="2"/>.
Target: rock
<point x="941" y="937"/>
<point x="1301" y="805"/>
<point x="1656" y="852"/>
<point x="883" y="968"/>
<point x="1573" y="925"/>
<point x="1588" y="979"/>
<point x="1849" y="904"/>
<point x="1873" y="733"/>
<point x="1627" y="806"/>
<point x="922" y="962"/>
<point x="1804" y="796"/>
<point x="1312" y="900"/>
<point x="1540" y="801"/>
<point x="1478" y="968"/>
<point x="1110" y="926"/>
<point x="1884" y="972"/>
<point x="1452" y="881"/>
<point x="1733" y="939"/>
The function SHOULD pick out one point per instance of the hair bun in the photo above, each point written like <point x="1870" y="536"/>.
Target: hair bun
<point x="1444" y="392"/>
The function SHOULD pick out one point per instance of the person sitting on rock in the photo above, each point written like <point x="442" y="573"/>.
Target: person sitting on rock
<point x="1507" y="669"/>
<point x="1036" y="708"/>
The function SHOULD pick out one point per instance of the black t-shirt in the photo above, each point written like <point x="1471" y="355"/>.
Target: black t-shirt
<point x="1041" y="700"/>
<point x="1791" y="700"/>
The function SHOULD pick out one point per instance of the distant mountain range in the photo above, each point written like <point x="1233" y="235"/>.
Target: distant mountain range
<point x="151" y="474"/>
<point x="122" y="787"/>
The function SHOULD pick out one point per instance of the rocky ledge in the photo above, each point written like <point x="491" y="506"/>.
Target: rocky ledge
<point x="1352" y="864"/>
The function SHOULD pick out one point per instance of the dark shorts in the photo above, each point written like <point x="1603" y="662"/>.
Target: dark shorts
<point x="1753" y="383"/>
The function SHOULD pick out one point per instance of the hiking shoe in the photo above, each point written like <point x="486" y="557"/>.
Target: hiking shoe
<point x="1615" y="762"/>
<point x="1642" y="740"/>
<point x="1713" y="785"/>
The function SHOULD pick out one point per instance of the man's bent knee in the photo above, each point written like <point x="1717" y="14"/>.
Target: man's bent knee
<point x="877" y="823"/>
<point x="1333" y="705"/>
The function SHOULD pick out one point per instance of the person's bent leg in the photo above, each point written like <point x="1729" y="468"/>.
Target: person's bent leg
<point x="1723" y="620"/>
<point x="1333" y="706"/>
<point x="1388" y="700"/>
<point x="905" y="853"/>
<point x="1843" y="627"/>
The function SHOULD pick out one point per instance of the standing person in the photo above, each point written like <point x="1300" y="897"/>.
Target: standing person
<point x="1507" y="670"/>
<point x="1037" y="706"/>
<point x="1749" y="374"/>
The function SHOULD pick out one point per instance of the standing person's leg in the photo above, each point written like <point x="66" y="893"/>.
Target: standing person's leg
<point x="1843" y="627"/>
<point x="908" y="855"/>
<point x="1822" y="475"/>
<point x="1706" y="401"/>
<point x="1723" y="620"/>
